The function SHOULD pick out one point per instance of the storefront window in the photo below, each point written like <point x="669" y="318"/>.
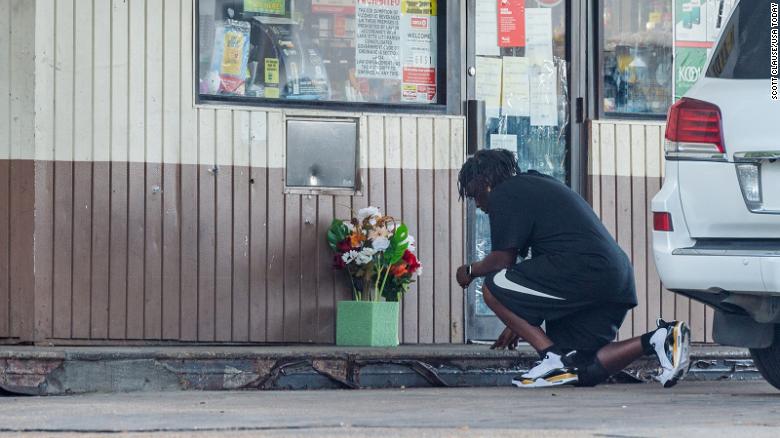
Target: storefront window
<point x="636" y="58"/>
<point x="370" y="51"/>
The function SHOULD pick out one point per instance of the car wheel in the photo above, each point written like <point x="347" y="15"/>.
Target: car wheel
<point x="767" y="360"/>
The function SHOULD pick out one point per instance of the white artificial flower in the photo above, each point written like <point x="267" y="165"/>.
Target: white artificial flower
<point x="362" y="259"/>
<point x="349" y="256"/>
<point x="349" y="225"/>
<point x="411" y="243"/>
<point x="365" y="255"/>
<point x="367" y="212"/>
<point x="380" y="243"/>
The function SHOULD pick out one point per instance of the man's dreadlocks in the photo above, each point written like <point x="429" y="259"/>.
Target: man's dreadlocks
<point x="487" y="168"/>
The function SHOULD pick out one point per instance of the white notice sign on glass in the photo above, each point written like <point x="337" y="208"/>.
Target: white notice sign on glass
<point x="378" y="35"/>
<point x="538" y="34"/>
<point x="544" y="94"/>
<point x="504" y="141"/>
<point x="486" y="28"/>
<point x="488" y="84"/>
<point x="516" y="87"/>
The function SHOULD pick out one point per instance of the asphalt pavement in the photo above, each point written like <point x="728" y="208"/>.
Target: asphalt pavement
<point x="713" y="409"/>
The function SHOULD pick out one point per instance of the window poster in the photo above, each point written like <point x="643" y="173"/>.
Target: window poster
<point x="230" y="58"/>
<point x="544" y="94"/>
<point x="418" y="42"/>
<point x="378" y="31"/>
<point x="504" y="141"/>
<point x="697" y="27"/>
<point x="516" y="87"/>
<point x="700" y="21"/>
<point x="689" y="63"/>
<point x="273" y="7"/>
<point x="511" y="23"/>
<point x="538" y="34"/>
<point x="486" y="28"/>
<point x="487" y="86"/>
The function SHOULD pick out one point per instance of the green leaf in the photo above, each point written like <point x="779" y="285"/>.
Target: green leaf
<point x="398" y="245"/>
<point x="337" y="233"/>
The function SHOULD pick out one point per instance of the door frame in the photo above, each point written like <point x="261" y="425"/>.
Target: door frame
<point x="579" y="49"/>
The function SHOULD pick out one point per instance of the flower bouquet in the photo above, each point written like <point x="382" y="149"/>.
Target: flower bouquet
<point x="378" y="255"/>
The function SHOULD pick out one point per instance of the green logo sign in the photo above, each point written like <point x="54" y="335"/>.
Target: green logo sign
<point x="689" y="64"/>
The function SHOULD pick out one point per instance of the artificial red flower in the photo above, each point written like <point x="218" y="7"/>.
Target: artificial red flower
<point x="338" y="262"/>
<point x="344" y="245"/>
<point x="411" y="260"/>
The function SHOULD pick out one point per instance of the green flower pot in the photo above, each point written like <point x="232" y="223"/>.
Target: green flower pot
<point x="367" y="324"/>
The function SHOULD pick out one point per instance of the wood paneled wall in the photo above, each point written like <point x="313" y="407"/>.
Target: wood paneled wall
<point x="221" y="253"/>
<point x="626" y="168"/>
<point x="17" y="145"/>
<point x="154" y="218"/>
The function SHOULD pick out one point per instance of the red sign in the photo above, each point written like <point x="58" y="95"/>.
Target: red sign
<point x="511" y="23"/>
<point x="419" y="22"/>
<point x="420" y="75"/>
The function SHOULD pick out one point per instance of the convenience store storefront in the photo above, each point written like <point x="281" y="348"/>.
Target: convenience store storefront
<point x="170" y="166"/>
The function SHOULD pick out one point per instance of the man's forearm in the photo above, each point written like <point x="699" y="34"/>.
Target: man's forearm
<point x="493" y="262"/>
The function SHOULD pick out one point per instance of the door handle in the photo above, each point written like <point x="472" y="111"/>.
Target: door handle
<point x="475" y="126"/>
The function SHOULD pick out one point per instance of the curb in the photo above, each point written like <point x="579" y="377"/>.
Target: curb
<point x="79" y="370"/>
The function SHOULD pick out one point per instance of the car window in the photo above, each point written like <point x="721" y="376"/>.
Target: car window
<point x="743" y="49"/>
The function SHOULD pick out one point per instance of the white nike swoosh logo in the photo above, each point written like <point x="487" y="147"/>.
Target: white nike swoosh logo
<point x="501" y="281"/>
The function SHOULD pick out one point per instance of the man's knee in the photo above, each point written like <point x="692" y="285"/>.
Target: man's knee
<point x="592" y="374"/>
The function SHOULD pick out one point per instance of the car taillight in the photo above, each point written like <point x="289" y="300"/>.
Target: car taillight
<point x="694" y="131"/>
<point x="662" y="221"/>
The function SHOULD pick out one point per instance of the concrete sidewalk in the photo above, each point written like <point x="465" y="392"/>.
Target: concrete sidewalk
<point x="77" y="370"/>
<point x="690" y="409"/>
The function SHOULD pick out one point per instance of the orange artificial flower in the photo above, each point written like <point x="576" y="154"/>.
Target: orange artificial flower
<point x="356" y="238"/>
<point x="399" y="270"/>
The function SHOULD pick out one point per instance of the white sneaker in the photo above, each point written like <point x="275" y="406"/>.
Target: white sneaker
<point x="551" y="362"/>
<point x="672" y="346"/>
<point x="555" y="377"/>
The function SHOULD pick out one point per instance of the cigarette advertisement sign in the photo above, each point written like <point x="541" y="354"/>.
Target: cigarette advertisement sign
<point x="689" y="63"/>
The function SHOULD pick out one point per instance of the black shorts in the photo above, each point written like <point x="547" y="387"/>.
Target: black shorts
<point x="573" y="320"/>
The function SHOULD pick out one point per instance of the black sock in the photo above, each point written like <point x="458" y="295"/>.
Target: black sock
<point x="648" y="349"/>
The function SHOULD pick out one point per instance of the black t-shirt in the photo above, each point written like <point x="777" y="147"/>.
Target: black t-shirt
<point x="575" y="253"/>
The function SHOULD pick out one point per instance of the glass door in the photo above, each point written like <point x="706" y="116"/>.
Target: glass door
<point x="520" y="98"/>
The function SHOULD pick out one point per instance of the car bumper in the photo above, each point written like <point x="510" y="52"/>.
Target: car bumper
<point x="683" y="266"/>
<point x="750" y="274"/>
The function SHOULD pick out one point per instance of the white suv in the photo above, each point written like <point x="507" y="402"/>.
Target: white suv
<point x="716" y="233"/>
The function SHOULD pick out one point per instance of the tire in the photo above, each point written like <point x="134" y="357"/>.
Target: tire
<point x="767" y="360"/>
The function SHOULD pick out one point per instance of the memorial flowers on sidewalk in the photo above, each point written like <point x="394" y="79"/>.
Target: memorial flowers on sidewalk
<point x="377" y="253"/>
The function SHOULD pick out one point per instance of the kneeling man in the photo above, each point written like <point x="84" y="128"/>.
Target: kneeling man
<point x="577" y="281"/>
